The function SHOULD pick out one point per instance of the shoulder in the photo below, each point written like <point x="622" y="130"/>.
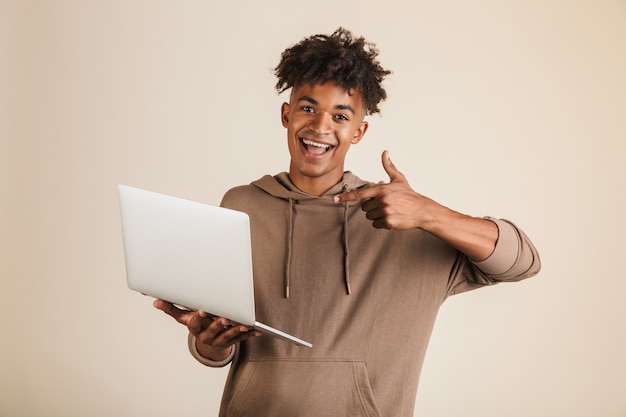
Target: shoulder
<point x="243" y="197"/>
<point x="240" y="195"/>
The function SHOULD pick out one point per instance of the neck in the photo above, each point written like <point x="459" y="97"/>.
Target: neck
<point x="313" y="186"/>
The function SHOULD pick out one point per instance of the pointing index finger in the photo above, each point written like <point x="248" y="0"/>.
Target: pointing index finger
<point x="355" y="195"/>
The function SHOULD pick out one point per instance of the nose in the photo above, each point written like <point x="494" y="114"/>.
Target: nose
<point x="321" y="123"/>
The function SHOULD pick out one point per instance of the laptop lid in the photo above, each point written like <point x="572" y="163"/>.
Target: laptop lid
<point x="192" y="254"/>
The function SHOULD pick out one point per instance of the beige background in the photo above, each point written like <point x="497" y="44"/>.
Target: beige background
<point x="515" y="109"/>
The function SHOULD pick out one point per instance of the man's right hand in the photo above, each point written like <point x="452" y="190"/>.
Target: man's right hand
<point x="214" y="336"/>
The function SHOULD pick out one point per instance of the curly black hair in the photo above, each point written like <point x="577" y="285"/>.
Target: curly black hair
<point x="348" y="61"/>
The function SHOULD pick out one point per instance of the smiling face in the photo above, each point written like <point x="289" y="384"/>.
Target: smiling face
<point x="322" y="122"/>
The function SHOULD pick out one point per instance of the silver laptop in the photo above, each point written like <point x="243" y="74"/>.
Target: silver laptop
<point x="191" y="254"/>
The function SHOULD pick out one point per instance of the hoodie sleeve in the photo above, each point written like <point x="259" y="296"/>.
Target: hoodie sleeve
<point x="191" y="343"/>
<point x="514" y="258"/>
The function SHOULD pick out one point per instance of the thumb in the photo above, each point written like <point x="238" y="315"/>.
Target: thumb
<point x="391" y="170"/>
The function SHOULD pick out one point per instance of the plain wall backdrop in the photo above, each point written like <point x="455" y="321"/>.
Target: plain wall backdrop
<point x="514" y="109"/>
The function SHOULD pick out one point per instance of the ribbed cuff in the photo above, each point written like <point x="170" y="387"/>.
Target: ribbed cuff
<point x="506" y="251"/>
<point x="191" y="342"/>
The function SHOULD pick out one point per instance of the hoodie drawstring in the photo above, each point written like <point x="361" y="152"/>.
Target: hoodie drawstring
<point x="346" y="263"/>
<point x="344" y="233"/>
<point x="289" y="249"/>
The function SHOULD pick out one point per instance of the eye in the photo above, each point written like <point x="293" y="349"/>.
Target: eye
<point x="307" y="109"/>
<point x="341" y="117"/>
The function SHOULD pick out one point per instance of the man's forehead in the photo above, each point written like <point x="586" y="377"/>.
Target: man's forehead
<point x="332" y="84"/>
<point x="311" y="93"/>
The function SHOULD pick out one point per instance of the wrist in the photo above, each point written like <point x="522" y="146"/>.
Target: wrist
<point x="434" y="216"/>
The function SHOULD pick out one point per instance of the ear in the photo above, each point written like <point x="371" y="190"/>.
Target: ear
<point x="359" y="132"/>
<point x="284" y="114"/>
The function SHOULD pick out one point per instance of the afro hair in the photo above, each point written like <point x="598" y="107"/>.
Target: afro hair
<point x="348" y="61"/>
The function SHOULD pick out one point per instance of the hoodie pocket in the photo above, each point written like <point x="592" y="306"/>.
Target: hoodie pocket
<point x="291" y="388"/>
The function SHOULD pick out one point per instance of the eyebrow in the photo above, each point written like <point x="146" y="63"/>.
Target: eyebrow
<point x="315" y="102"/>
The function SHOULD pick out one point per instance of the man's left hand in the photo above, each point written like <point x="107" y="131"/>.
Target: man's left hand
<point x="394" y="205"/>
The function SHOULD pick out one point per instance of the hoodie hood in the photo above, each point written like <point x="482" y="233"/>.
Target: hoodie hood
<point x="280" y="186"/>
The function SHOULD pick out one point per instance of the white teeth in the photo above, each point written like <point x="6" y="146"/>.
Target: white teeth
<point x="311" y="143"/>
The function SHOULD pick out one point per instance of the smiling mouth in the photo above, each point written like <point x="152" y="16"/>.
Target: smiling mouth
<point x="316" y="147"/>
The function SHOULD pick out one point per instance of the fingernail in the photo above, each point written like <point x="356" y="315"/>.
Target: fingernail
<point x="336" y="199"/>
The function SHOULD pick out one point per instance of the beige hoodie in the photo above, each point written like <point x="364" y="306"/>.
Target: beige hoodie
<point x="366" y="298"/>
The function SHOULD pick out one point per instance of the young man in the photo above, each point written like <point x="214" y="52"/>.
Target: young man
<point x="357" y="268"/>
